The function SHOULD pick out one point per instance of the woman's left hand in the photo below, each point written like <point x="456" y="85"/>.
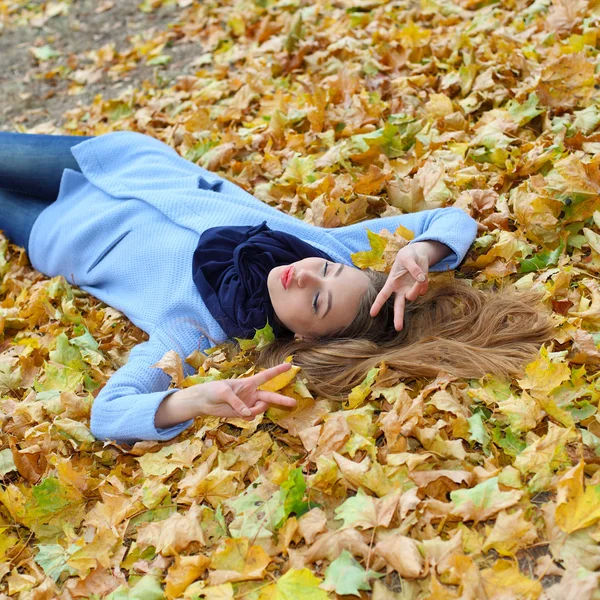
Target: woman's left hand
<point x="407" y="279"/>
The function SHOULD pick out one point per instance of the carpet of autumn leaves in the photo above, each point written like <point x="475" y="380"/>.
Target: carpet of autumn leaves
<point x="334" y="111"/>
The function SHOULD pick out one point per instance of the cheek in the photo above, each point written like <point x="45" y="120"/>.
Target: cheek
<point x="290" y="311"/>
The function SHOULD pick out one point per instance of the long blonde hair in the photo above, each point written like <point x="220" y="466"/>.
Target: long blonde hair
<point x="454" y="328"/>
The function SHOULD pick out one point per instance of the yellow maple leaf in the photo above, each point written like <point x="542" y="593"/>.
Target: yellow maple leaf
<point x="185" y="570"/>
<point x="372" y="258"/>
<point x="542" y="376"/>
<point x="577" y="507"/>
<point x="238" y="561"/>
<point x="505" y="580"/>
<point x="280" y="381"/>
<point x="510" y="533"/>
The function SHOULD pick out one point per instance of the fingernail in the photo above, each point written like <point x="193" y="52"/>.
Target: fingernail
<point x="247" y="412"/>
<point x="421" y="278"/>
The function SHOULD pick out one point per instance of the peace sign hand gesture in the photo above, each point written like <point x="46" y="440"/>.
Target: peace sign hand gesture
<point x="407" y="279"/>
<point x="241" y="397"/>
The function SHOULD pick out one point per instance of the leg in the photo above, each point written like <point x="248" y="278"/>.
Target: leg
<point x="33" y="164"/>
<point x="18" y="212"/>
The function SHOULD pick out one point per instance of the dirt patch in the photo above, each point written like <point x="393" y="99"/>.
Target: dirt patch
<point x="34" y="92"/>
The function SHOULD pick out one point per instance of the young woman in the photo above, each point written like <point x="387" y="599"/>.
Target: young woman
<point x="191" y="259"/>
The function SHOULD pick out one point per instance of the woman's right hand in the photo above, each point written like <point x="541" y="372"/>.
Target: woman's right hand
<point x="239" y="398"/>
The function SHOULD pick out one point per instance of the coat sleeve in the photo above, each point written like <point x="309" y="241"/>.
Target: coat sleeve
<point x="450" y="226"/>
<point x="125" y="408"/>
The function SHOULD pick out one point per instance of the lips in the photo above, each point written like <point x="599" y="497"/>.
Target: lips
<point x="286" y="276"/>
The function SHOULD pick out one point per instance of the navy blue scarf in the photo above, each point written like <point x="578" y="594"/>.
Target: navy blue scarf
<point x="230" y="269"/>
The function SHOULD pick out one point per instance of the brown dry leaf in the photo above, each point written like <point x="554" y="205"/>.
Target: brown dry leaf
<point x="575" y="583"/>
<point x="564" y="15"/>
<point x="402" y="554"/>
<point x="175" y="533"/>
<point x="311" y="524"/>
<point x="172" y="365"/>
<point x="329" y="545"/>
<point x="567" y="82"/>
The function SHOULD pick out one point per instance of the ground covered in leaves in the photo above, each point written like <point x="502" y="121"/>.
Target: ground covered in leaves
<point x="335" y="112"/>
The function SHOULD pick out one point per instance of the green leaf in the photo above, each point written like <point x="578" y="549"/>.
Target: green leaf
<point x="59" y="378"/>
<point x="586" y="120"/>
<point x="523" y="113"/>
<point x="53" y="559"/>
<point x="346" y="576"/>
<point x="540" y="260"/>
<point x="199" y="149"/>
<point x="161" y="59"/>
<point x="147" y="588"/>
<point x="255" y="516"/>
<point x="388" y="138"/>
<point x="292" y="495"/>
<point x="478" y="432"/>
<point x="49" y="495"/>
<point x="7" y="463"/>
<point x="88" y="346"/>
<point x="356" y="510"/>
<point x="263" y="337"/>
<point x="483" y="495"/>
<point x="298" y="584"/>
<point x="510" y="443"/>
<point x="44" y="53"/>
<point x="583" y="411"/>
<point x="66" y="354"/>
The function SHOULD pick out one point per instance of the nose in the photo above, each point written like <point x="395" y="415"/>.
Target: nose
<point x="305" y="277"/>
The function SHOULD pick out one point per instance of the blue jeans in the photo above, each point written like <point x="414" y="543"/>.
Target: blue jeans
<point x="31" y="167"/>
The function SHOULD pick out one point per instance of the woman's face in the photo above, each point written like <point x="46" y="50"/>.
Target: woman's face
<point x="315" y="296"/>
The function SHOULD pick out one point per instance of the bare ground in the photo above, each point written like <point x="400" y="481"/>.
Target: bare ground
<point x="29" y="97"/>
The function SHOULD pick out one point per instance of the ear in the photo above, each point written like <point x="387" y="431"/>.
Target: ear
<point x="298" y="337"/>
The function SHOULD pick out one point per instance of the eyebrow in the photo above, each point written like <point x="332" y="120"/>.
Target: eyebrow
<point x="329" y="294"/>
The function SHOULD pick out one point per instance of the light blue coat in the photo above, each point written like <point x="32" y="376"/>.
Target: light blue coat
<point x="125" y="229"/>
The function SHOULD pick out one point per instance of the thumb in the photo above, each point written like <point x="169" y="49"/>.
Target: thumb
<point x="237" y="404"/>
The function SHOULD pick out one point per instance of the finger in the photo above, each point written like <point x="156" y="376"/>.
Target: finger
<point x="415" y="270"/>
<point x="257" y="409"/>
<point x="237" y="404"/>
<point x="413" y="293"/>
<point x="381" y="299"/>
<point x="399" y="304"/>
<point x="264" y="376"/>
<point x="275" y="398"/>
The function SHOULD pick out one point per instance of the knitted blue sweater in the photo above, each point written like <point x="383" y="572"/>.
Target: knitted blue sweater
<point x="125" y="229"/>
